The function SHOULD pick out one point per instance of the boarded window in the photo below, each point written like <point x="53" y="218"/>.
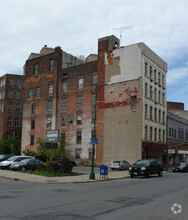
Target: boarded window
<point x="133" y="103"/>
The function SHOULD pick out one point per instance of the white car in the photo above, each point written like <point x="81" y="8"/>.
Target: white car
<point x="120" y="165"/>
<point x="6" y="163"/>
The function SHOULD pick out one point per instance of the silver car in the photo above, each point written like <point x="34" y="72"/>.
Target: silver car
<point x="120" y="165"/>
<point x="6" y="163"/>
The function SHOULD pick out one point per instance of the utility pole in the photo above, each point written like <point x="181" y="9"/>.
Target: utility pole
<point x="121" y="31"/>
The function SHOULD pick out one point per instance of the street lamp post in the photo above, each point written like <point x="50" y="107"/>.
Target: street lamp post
<point x="92" y="174"/>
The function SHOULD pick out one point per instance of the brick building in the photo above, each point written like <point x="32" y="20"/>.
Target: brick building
<point x="177" y="132"/>
<point x="60" y="94"/>
<point x="11" y="104"/>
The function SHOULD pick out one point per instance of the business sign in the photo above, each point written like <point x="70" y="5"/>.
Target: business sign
<point x="49" y="145"/>
<point x="52" y="136"/>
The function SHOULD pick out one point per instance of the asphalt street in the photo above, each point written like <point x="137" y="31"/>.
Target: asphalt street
<point x="138" y="198"/>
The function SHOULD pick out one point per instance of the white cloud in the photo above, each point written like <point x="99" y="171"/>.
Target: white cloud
<point x="177" y="75"/>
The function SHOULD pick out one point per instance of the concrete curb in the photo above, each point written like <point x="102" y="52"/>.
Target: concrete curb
<point x="66" y="179"/>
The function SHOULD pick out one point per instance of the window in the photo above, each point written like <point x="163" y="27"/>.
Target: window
<point x="64" y="87"/>
<point x="93" y="118"/>
<point x="38" y="92"/>
<point x="51" y="67"/>
<point x="1" y="107"/>
<point x="18" y="94"/>
<point x="162" y="80"/>
<point x="133" y="103"/>
<point x="159" y="134"/>
<point x="64" y="75"/>
<point x="151" y="133"/>
<point x="63" y="120"/>
<point x="146" y="89"/>
<point x="78" y="137"/>
<point x="146" y="69"/>
<point x="95" y="80"/>
<point x="146" y="111"/>
<point x="30" y="93"/>
<point x="10" y="107"/>
<point x="159" y="78"/>
<point x="155" y="95"/>
<point x="180" y="133"/>
<point x="186" y="135"/>
<point x="2" y="83"/>
<point x="49" y="122"/>
<point x="64" y="104"/>
<point x="16" y="121"/>
<point x="1" y="95"/>
<point x="151" y="92"/>
<point x="32" y="139"/>
<point x="155" y="116"/>
<point x="9" y="121"/>
<point x="19" y="83"/>
<point x="79" y="102"/>
<point x="78" y="153"/>
<point x="79" y="119"/>
<point x="50" y="105"/>
<point x="32" y="124"/>
<point x="151" y="113"/>
<point x="159" y="116"/>
<point x="150" y="72"/>
<point x="50" y="90"/>
<point x="159" y="97"/>
<point x="155" y="134"/>
<point x="155" y="75"/>
<point x="17" y="109"/>
<point x="11" y="82"/>
<point x="33" y="108"/>
<point x="10" y="94"/>
<point x="80" y="83"/>
<point x="146" y="132"/>
<point x="163" y="117"/>
<point x="163" y="99"/>
<point x="93" y="99"/>
<point x="36" y="67"/>
<point x="70" y="119"/>
<point x="63" y="135"/>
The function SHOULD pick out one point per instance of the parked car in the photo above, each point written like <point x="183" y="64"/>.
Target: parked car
<point x="180" y="167"/>
<point x="26" y="164"/>
<point x="6" y="163"/>
<point x="4" y="157"/>
<point x="146" y="168"/>
<point x="120" y="165"/>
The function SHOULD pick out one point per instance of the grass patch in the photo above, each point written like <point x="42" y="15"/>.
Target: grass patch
<point x="52" y="173"/>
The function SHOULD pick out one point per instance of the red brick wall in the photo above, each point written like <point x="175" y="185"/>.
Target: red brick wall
<point x="175" y="106"/>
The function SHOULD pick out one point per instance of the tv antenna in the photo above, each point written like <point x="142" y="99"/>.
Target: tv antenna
<point x="121" y="31"/>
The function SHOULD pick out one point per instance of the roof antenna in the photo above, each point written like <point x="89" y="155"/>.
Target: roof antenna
<point x="121" y="31"/>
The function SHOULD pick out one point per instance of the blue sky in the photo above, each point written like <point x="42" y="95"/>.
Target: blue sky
<point x="76" y="25"/>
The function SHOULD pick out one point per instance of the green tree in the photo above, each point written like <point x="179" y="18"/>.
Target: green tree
<point x="11" y="145"/>
<point x="46" y="153"/>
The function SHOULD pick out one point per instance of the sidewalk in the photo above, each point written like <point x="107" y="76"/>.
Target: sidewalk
<point x="67" y="179"/>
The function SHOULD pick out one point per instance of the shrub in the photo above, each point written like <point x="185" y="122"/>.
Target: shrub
<point x="55" y="166"/>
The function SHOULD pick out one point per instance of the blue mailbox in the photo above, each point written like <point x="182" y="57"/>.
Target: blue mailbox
<point x="104" y="170"/>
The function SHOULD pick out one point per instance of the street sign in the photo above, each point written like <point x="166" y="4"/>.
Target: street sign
<point x="49" y="145"/>
<point x="94" y="141"/>
<point x="52" y="136"/>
